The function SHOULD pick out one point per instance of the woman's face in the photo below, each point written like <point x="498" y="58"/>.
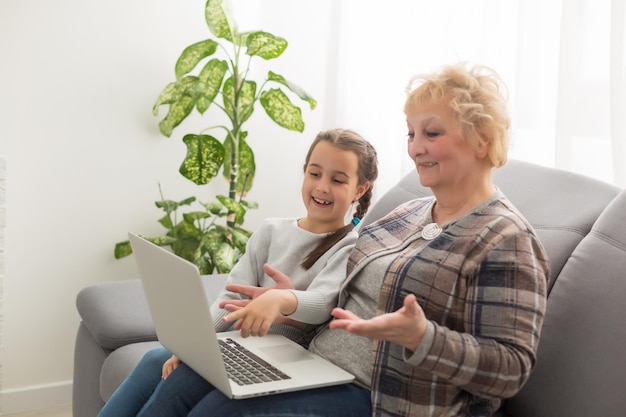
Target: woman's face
<point x="442" y="155"/>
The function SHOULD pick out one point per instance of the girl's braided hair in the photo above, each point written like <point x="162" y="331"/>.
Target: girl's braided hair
<point x="346" y="140"/>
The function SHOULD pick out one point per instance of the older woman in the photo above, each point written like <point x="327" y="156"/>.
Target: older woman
<point x="451" y="288"/>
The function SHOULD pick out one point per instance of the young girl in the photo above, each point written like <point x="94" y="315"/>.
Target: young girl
<point x="339" y="170"/>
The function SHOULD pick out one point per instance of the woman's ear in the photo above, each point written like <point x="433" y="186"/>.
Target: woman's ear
<point x="482" y="148"/>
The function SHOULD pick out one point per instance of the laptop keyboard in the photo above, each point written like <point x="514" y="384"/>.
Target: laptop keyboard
<point x="244" y="367"/>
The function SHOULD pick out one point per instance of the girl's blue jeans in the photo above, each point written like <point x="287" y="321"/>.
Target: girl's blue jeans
<point x="185" y="393"/>
<point x="138" y="387"/>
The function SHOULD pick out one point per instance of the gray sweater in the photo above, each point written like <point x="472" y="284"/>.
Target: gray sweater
<point x="283" y="245"/>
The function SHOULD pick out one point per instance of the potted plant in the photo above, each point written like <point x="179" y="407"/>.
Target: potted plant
<point x="213" y="237"/>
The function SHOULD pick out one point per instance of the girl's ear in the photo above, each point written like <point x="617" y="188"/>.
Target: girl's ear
<point x="361" y="189"/>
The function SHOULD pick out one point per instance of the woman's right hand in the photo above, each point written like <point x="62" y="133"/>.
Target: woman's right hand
<point x="405" y="326"/>
<point x="168" y="367"/>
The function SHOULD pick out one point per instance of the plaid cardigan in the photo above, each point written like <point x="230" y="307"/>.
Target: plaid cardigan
<point x="482" y="285"/>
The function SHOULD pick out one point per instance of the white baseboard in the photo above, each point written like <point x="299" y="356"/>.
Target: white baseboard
<point x="35" y="397"/>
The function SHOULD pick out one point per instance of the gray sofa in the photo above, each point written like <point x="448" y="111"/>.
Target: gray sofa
<point x="580" y="371"/>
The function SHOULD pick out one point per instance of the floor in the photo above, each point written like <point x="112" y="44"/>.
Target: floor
<point x="62" y="411"/>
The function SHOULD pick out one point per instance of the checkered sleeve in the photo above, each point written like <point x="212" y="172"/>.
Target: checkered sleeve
<point x="503" y="312"/>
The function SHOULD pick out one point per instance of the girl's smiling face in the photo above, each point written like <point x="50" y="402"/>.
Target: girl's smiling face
<point x="443" y="157"/>
<point x="329" y="187"/>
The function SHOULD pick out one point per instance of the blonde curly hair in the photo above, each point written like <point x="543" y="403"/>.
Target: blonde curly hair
<point x="477" y="96"/>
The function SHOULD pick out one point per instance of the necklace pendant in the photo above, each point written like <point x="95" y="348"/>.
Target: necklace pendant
<point x="431" y="231"/>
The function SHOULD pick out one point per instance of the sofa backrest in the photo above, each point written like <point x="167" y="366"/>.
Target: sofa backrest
<point x="579" y="369"/>
<point x="562" y="206"/>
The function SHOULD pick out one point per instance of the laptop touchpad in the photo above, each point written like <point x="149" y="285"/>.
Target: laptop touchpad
<point x="286" y="353"/>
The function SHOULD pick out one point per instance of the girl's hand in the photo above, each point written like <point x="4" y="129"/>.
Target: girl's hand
<point x="168" y="367"/>
<point x="259" y="314"/>
<point x="236" y="305"/>
<point x="252" y="292"/>
<point x="406" y="326"/>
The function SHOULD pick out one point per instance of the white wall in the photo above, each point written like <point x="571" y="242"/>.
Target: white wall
<point x="78" y="79"/>
<point x="77" y="83"/>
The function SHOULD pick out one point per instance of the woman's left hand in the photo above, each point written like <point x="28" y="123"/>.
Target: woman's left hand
<point x="406" y="326"/>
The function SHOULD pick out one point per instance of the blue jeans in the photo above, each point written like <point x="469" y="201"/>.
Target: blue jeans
<point x="185" y="393"/>
<point x="138" y="387"/>
<point x="346" y="400"/>
<point x="178" y="394"/>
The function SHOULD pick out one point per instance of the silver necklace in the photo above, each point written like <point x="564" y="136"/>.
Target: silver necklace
<point x="431" y="231"/>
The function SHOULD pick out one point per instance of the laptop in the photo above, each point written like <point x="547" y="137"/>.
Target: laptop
<point x="182" y="319"/>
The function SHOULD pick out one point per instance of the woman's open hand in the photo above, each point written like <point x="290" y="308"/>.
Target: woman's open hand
<point x="406" y="326"/>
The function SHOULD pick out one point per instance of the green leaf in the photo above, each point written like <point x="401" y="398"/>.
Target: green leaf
<point x="170" y="206"/>
<point x="212" y="240"/>
<point x="211" y="78"/>
<point x="218" y="16"/>
<point x="296" y="89"/>
<point x="175" y="91"/>
<point x="178" y="111"/>
<point x="244" y="100"/>
<point x="193" y="54"/>
<point x="166" y="221"/>
<point x="245" y="161"/>
<point x="186" y="229"/>
<point x="205" y="156"/>
<point x="280" y="109"/>
<point x="224" y="258"/>
<point x="265" y="45"/>
<point x="213" y="207"/>
<point x="204" y="265"/>
<point x="195" y="215"/>
<point x="234" y="207"/>
<point x="240" y="238"/>
<point x="122" y="249"/>
<point x="186" y="247"/>
<point x="162" y="240"/>
<point x="170" y="94"/>
<point x="250" y="204"/>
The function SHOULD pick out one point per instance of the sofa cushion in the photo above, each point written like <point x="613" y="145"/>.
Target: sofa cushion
<point x="562" y="206"/>
<point x="119" y="364"/>
<point x="579" y="370"/>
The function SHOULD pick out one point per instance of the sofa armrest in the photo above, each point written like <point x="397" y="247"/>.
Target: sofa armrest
<point x="116" y="313"/>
